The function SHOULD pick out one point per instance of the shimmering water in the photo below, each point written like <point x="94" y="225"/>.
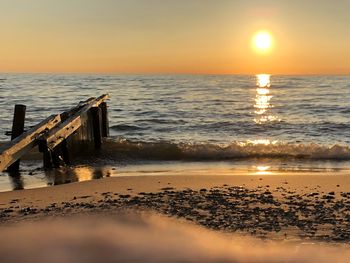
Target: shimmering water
<point x="300" y="121"/>
<point x="196" y="108"/>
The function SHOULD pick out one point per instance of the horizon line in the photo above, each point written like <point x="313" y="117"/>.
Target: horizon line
<point x="169" y="73"/>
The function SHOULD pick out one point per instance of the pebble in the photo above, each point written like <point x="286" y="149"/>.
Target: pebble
<point x="230" y="208"/>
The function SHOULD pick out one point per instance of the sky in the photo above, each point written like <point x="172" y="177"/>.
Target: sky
<point x="167" y="36"/>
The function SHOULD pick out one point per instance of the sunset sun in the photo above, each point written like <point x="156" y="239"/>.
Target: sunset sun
<point x="262" y="41"/>
<point x="175" y="131"/>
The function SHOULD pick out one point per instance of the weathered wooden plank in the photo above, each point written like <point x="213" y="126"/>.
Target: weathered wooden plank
<point x="15" y="149"/>
<point x="72" y="123"/>
<point x="99" y="100"/>
<point x="62" y="131"/>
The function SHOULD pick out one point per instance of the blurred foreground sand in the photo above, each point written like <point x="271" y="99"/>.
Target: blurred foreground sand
<point x="95" y="221"/>
<point x="146" y="238"/>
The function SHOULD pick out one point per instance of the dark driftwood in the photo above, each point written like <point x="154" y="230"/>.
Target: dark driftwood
<point x="14" y="150"/>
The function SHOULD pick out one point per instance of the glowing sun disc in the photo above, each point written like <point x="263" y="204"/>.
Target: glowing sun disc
<point x="262" y="41"/>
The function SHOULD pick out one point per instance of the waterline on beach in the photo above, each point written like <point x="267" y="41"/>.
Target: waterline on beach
<point x="32" y="176"/>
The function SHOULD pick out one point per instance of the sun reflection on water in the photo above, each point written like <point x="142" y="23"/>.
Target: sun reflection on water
<point x="67" y="174"/>
<point x="261" y="142"/>
<point x="263" y="170"/>
<point x="263" y="80"/>
<point x="263" y="100"/>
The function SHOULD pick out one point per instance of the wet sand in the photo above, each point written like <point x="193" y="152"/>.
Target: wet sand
<point x="279" y="206"/>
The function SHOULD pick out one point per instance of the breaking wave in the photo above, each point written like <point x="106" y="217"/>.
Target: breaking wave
<point x="164" y="150"/>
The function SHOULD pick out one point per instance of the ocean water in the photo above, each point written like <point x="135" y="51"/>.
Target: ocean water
<point x="200" y="117"/>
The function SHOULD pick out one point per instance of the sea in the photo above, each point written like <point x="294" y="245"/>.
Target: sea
<point x="164" y="124"/>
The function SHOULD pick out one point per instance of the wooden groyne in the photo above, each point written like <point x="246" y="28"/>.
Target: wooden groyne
<point x="58" y="136"/>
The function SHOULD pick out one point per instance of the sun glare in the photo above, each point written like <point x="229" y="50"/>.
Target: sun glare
<point x="262" y="41"/>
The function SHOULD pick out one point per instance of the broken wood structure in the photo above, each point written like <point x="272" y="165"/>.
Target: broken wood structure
<point x="58" y="136"/>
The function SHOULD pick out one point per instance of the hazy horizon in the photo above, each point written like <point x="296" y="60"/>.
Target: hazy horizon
<point x="170" y="73"/>
<point x="174" y="37"/>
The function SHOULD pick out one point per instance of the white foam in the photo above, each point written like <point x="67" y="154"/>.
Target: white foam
<point x="249" y="149"/>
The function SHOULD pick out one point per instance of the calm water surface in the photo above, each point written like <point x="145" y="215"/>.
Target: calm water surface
<point x="196" y="109"/>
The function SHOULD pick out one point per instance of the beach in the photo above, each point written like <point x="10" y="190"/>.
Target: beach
<point x="285" y="206"/>
<point x="223" y="217"/>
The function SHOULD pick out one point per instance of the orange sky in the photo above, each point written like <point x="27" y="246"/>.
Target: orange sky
<point x="164" y="36"/>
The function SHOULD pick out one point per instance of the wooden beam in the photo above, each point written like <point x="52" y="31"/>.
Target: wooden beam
<point x="62" y="131"/>
<point x="72" y="123"/>
<point x="15" y="149"/>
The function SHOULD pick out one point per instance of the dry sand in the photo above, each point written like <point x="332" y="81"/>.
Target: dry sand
<point x="280" y="206"/>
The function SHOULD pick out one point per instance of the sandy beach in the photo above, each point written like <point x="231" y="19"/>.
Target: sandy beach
<point x="284" y="206"/>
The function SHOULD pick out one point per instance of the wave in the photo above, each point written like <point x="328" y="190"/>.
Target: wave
<point x="126" y="127"/>
<point x="121" y="149"/>
<point x="164" y="150"/>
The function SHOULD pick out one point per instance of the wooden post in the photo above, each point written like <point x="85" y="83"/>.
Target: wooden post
<point x="65" y="152"/>
<point x="54" y="158"/>
<point x="105" y="124"/>
<point x="47" y="155"/>
<point x="17" y="181"/>
<point x="57" y="159"/>
<point x="96" y="126"/>
<point x="17" y="130"/>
